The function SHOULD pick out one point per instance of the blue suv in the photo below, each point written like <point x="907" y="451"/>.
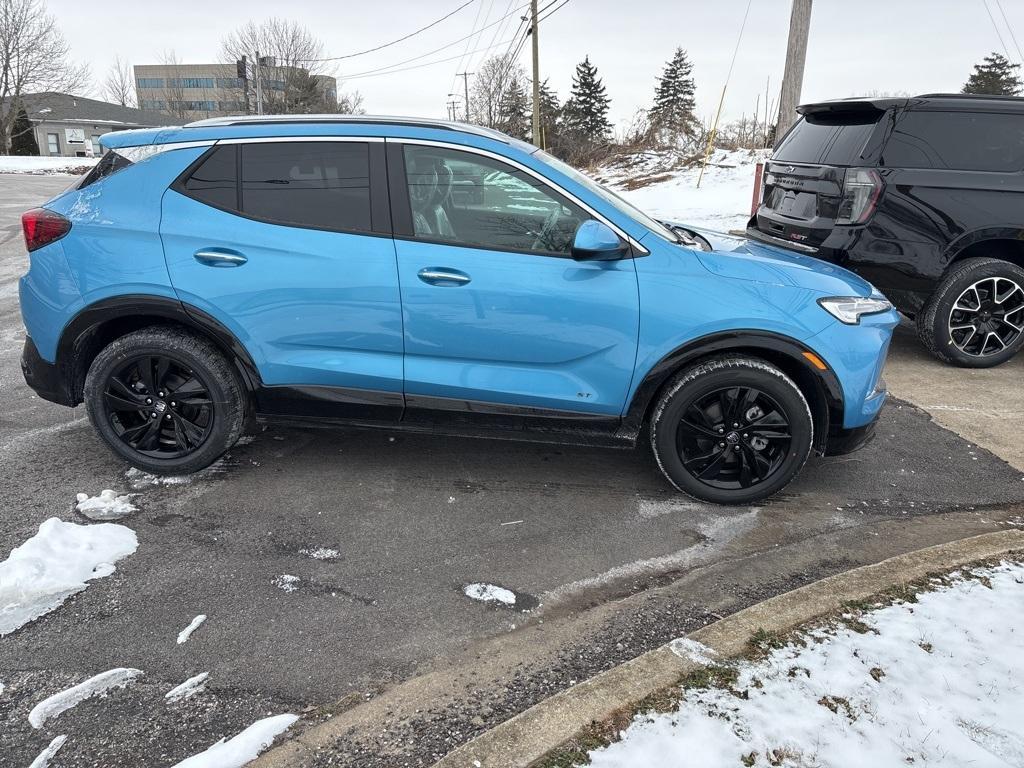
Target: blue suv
<point x="431" y="276"/>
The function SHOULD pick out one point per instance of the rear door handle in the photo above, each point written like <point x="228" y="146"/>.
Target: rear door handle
<point x="442" y="276"/>
<point x="216" y="258"/>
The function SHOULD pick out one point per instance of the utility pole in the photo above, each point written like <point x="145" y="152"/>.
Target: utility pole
<point x="465" y="88"/>
<point x="537" y="138"/>
<point x="451" y="109"/>
<point x="796" y="56"/>
<point x="259" y="86"/>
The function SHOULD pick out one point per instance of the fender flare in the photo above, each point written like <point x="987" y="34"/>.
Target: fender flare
<point x="966" y="240"/>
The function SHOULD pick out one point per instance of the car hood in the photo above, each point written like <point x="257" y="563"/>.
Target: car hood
<point x="744" y="259"/>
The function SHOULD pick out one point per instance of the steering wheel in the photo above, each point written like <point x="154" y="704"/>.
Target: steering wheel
<point x="542" y="243"/>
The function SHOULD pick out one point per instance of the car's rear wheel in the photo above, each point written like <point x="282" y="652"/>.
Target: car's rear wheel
<point x="975" y="318"/>
<point x="732" y="430"/>
<point x="166" y="401"/>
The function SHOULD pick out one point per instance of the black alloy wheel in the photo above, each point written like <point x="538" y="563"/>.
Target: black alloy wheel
<point x="988" y="317"/>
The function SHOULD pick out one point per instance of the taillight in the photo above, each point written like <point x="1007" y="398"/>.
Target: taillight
<point x="861" y="191"/>
<point x="42" y="227"/>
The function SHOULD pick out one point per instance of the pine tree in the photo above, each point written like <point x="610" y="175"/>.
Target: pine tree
<point x="23" y="138"/>
<point x="514" y="109"/>
<point x="586" y="112"/>
<point x="674" y="101"/>
<point x="550" y="118"/>
<point x="995" y="76"/>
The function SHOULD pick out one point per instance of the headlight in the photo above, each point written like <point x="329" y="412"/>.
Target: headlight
<point x="849" y="309"/>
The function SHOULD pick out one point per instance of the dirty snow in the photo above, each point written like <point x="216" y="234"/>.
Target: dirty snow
<point x="43" y="758"/>
<point x="190" y="687"/>
<point x="721" y="203"/>
<point x="246" y="746"/>
<point x="937" y="682"/>
<point x="488" y="593"/>
<point x="287" y="582"/>
<point x="56" y="563"/>
<point x="186" y="633"/>
<point x="43" y="165"/>
<point x="64" y="700"/>
<point x="107" y="506"/>
<point x="321" y="553"/>
<point x="139" y="479"/>
<point x="685" y="648"/>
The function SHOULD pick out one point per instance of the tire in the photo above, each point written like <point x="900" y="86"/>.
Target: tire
<point x="692" y="455"/>
<point x="196" y="427"/>
<point x="945" y="324"/>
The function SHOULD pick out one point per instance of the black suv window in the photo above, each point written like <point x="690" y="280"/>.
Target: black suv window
<point x="830" y="139"/>
<point x="961" y="141"/>
<point x="317" y="184"/>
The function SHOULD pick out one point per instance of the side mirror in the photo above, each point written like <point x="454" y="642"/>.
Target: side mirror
<point x="595" y="241"/>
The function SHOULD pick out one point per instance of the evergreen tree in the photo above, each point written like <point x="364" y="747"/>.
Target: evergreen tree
<point x="995" y="76"/>
<point x="586" y="112"/>
<point x="514" y="109"/>
<point x="674" y="102"/>
<point x="550" y="118"/>
<point x="23" y="138"/>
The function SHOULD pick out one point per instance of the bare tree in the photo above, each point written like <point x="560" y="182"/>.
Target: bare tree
<point x="174" y="91"/>
<point x="33" y="59"/>
<point x="492" y="79"/>
<point x="119" y="85"/>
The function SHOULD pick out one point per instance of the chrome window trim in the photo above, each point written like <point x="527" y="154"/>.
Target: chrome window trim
<point x="293" y="139"/>
<point x="539" y="176"/>
<point x="140" y="152"/>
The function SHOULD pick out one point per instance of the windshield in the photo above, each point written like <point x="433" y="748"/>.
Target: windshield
<point x="623" y="207"/>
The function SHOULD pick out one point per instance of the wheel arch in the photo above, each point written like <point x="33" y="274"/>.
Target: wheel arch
<point x="100" y="323"/>
<point x="1004" y="242"/>
<point x="821" y="388"/>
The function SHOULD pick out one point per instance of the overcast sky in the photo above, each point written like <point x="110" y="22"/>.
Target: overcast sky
<point x="866" y="46"/>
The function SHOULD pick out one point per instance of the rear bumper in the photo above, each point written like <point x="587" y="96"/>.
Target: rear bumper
<point x="43" y="377"/>
<point x="842" y="441"/>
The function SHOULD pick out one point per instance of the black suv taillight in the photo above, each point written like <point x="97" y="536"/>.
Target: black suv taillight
<point x="861" y="190"/>
<point x="42" y="227"/>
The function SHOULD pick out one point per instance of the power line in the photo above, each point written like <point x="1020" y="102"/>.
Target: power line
<point x="472" y="32"/>
<point x="480" y="33"/>
<point x="389" y="71"/>
<point x="1009" y="28"/>
<point x="545" y="18"/>
<point x="399" y="40"/>
<point x="996" y="28"/>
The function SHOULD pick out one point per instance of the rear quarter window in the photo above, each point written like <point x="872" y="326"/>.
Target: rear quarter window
<point x="960" y="141"/>
<point x="827" y="139"/>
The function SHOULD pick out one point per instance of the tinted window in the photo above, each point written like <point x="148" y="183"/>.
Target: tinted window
<point x="215" y="181"/>
<point x="108" y="164"/>
<point x="465" y="198"/>
<point x="319" y="184"/>
<point x="957" y="140"/>
<point x="831" y="139"/>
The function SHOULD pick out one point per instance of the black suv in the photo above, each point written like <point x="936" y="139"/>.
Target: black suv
<point x="922" y="196"/>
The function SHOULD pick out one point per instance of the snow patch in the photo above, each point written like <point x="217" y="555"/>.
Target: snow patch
<point x="56" y="563"/>
<point x="287" y="582"/>
<point x="321" y="553"/>
<point x="190" y="687"/>
<point x="139" y="479"/>
<point x="44" y="165"/>
<point x="107" y="506"/>
<point x="95" y="686"/>
<point x="488" y="593"/>
<point x="685" y="648"/>
<point x="935" y="682"/>
<point x="43" y="758"/>
<point x="246" y="746"/>
<point x="186" y="633"/>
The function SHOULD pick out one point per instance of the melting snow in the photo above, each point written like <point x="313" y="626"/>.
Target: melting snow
<point x="244" y="747"/>
<point x="287" y="582"/>
<point x="139" y="479"/>
<point x="56" y="563"/>
<point x="72" y="165"/>
<point x="190" y="687"/>
<point x="936" y="682"/>
<point x="685" y="648"/>
<point x="186" y="633"/>
<point x="66" y="699"/>
<point x="489" y="593"/>
<point x="107" y="506"/>
<point x="43" y="759"/>
<point x="321" y="553"/>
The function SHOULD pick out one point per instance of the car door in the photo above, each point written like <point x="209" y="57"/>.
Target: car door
<point x="495" y="309"/>
<point x="287" y="243"/>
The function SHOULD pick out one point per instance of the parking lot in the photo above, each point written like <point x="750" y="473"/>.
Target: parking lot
<point x="605" y="559"/>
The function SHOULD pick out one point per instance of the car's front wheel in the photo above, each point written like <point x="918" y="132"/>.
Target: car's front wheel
<point x="732" y="430"/>
<point x="166" y="401"/>
<point x="975" y="318"/>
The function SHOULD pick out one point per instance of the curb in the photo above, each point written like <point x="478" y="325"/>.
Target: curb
<point x="530" y="735"/>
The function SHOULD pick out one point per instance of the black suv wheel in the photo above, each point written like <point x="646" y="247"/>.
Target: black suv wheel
<point x="732" y="430"/>
<point x="975" y="318"/>
<point x="166" y="401"/>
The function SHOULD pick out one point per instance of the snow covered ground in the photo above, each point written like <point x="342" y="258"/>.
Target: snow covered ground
<point x="243" y="748"/>
<point x="73" y="166"/>
<point x="98" y="685"/>
<point x="936" y="682"/>
<point x="721" y="203"/>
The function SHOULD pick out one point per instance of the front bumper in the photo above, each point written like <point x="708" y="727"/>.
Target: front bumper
<point x="43" y="377"/>
<point x="842" y="441"/>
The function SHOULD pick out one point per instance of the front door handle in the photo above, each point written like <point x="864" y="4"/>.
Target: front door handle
<point x="442" y="276"/>
<point x="214" y="258"/>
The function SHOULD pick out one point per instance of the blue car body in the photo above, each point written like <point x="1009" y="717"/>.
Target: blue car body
<point x="379" y="326"/>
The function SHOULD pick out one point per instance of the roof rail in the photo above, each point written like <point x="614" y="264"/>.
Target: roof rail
<point x="968" y="96"/>
<point x="416" y="122"/>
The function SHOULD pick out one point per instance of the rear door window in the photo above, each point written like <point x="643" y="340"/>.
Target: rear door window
<point x="961" y="141"/>
<point x="827" y="139"/>
<point x="214" y="181"/>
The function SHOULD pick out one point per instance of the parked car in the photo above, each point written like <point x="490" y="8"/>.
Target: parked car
<point x="319" y="269"/>
<point x="922" y="196"/>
